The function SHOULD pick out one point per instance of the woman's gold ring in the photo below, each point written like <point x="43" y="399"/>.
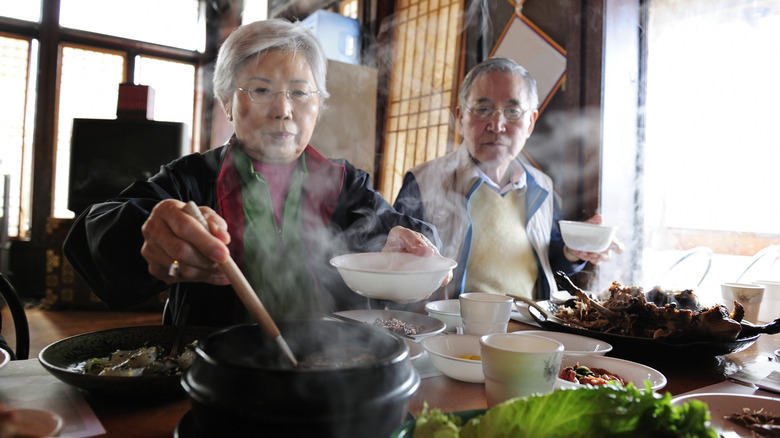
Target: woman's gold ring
<point x="174" y="270"/>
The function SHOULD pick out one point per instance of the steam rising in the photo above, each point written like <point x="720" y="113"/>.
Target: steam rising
<point x="642" y="207"/>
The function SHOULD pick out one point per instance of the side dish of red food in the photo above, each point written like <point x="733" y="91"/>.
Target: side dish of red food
<point x="590" y="376"/>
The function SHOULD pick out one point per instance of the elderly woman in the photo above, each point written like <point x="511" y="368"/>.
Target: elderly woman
<point x="272" y="202"/>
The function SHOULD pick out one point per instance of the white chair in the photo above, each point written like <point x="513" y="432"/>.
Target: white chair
<point x="688" y="271"/>
<point x="762" y="266"/>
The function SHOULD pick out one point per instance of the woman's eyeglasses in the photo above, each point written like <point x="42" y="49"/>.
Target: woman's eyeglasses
<point x="265" y="95"/>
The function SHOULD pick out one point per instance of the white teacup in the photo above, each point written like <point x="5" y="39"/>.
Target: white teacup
<point x="748" y="295"/>
<point x="770" y="304"/>
<point x="517" y="365"/>
<point x="483" y="313"/>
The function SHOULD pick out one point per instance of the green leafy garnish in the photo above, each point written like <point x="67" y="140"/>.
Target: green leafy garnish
<point x="587" y="411"/>
<point x="435" y="424"/>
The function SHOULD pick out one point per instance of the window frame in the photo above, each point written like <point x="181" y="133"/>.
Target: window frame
<point x="50" y="37"/>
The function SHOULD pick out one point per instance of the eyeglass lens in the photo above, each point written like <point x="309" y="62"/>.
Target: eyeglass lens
<point x="511" y="113"/>
<point x="265" y="95"/>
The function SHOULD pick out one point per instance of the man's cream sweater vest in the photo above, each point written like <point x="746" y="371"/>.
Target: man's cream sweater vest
<point x="500" y="262"/>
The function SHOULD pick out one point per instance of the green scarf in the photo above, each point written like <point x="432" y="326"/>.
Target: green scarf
<point x="274" y="257"/>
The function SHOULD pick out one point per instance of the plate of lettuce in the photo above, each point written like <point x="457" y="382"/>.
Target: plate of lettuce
<point x="585" y="412"/>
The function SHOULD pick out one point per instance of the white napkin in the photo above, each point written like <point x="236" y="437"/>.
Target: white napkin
<point x="770" y="382"/>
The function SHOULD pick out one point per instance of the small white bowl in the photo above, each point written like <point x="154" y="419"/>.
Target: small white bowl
<point x="630" y="371"/>
<point x="445" y="352"/>
<point x="446" y="311"/>
<point x="584" y="236"/>
<point x="393" y="276"/>
<point x="574" y="345"/>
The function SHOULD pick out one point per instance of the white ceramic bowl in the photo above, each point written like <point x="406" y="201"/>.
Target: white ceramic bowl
<point x="446" y="311"/>
<point x="393" y="275"/>
<point x="629" y="371"/>
<point x="584" y="236"/>
<point x="574" y="345"/>
<point x="445" y="352"/>
<point x="415" y="349"/>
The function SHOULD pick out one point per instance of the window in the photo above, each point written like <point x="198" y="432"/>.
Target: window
<point x="89" y="80"/>
<point x="349" y="8"/>
<point x="711" y="114"/>
<point x="27" y="11"/>
<point x="173" y="83"/>
<point x="174" y="23"/>
<point x="16" y="128"/>
<point x="423" y="85"/>
<point x="709" y="178"/>
<point x="100" y="46"/>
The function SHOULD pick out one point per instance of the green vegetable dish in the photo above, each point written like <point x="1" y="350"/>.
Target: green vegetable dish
<point x="583" y="412"/>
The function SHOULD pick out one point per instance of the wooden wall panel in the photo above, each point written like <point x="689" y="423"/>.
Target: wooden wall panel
<point x="422" y="82"/>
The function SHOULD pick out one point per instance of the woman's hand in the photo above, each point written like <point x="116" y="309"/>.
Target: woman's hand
<point x="594" y="257"/>
<point x="172" y="237"/>
<point x="401" y="239"/>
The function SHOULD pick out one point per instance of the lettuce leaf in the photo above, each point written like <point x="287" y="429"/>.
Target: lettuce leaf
<point x="587" y="411"/>
<point x="435" y="424"/>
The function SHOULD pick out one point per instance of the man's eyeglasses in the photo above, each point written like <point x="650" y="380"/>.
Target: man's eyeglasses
<point x="511" y="113"/>
<point x="265" y="95"/>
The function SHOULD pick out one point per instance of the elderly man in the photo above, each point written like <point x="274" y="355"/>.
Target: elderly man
<point x="496" y="215"/>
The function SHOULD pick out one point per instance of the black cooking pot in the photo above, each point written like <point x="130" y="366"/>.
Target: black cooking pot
<point x="241" y="382"/>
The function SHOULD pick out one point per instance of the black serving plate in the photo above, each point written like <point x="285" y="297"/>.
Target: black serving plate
<point x="543" y="311"/>
<point x="59" y="358"/>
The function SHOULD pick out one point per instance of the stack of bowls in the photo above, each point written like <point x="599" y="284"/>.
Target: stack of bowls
<point x="446" y="311"/>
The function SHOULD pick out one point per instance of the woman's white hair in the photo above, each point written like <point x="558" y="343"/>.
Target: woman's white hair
<point x="250" y="40"/>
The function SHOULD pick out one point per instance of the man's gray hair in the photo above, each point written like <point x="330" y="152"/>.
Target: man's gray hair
<point x="503" y="65"/>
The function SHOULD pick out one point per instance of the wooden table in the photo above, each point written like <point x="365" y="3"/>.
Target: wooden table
<point x="152" y="418"/>
<point x="683" y="376"/>
<point x="139" y="418"/>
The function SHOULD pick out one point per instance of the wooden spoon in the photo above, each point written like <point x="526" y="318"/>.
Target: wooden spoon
<point x="245" y="292"/>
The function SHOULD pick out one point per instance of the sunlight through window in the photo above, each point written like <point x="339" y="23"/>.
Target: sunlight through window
<point x="174" y="23"/>
<point x="710" y="160"/>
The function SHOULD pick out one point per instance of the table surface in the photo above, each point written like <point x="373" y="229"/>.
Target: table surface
<point x="682" y="375"/>
<point x="159" y="418"/>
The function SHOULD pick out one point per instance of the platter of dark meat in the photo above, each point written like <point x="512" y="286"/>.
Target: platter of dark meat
<point x="647" y="324"/>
